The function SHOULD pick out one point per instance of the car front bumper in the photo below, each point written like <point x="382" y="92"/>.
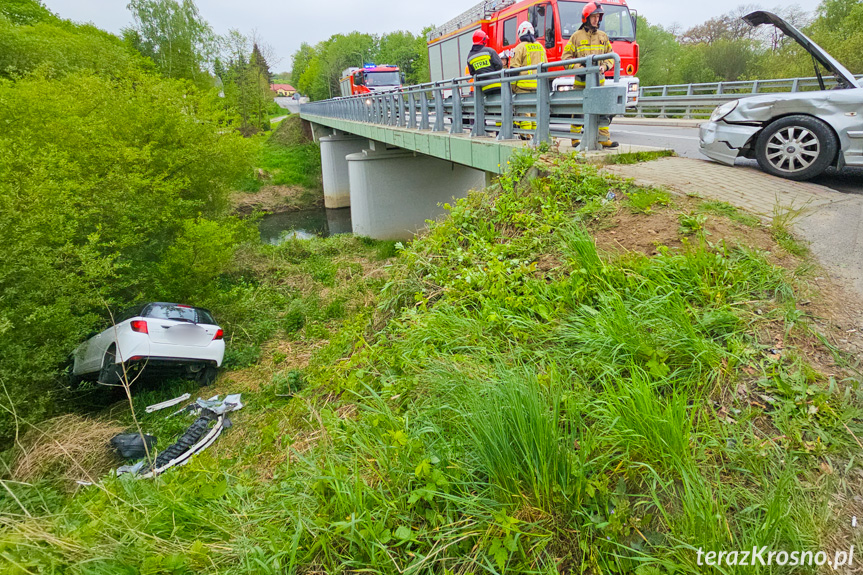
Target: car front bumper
<point x="723" y="142"/>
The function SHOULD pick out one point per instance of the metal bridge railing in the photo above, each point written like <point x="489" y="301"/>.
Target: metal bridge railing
<point x="459" y="106"/>
<point x="699" y="100"/>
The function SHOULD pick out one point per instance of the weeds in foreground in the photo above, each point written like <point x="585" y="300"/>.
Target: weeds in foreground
<point x="780" y="228"/>
<point x="637" y="157"/>
<point x="517" y="402"/>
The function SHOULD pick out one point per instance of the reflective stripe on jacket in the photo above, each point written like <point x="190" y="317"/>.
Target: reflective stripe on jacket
<point x="586" y="43"/>
<point x="482" y="60"/>
<point x="527" y="54"/>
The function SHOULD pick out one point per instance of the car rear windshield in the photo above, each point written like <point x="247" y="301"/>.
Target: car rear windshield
<point x="178" y="312"/>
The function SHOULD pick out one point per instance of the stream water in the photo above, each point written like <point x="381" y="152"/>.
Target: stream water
<point x="304" y="224"/>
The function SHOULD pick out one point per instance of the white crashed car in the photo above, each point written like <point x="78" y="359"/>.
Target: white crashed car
<point x="158" y="337"/>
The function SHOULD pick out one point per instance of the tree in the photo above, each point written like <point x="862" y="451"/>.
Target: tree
<point x="729" y="26"/>
<point x="658" y="54"/>
<point x="26" y="12"/>
<point x="406" y="51"/>
<point x="342" y="51"/>
<point x="245" y="77"/>
<point x="173" y="34"/>
<point x="729" y="59"/>
<point x="57" y="47"/>
<point x="262" y="78"/>
<point x="838" y="29"/>
<point x="300" y="61"/>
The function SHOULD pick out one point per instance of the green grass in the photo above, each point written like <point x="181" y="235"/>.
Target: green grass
<point x="642" y="201"/>
<point x="470" y="410"/>
<point x="636" y="157"/>
<point x="288" y="157"/>
<point x="729" y="211"/>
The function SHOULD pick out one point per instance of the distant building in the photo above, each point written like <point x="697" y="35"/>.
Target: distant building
<point x="283" y="89"/>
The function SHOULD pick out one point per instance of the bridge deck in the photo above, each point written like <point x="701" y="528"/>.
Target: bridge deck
<point x="485" y="154"/>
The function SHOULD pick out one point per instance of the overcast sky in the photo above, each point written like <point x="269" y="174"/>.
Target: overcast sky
<point x="285" y="25"/>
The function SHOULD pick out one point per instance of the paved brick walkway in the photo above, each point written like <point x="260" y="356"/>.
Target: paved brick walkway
<point x="743" y="187"/>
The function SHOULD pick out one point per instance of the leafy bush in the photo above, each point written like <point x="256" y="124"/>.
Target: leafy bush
<point x="108" y="189"/>
<point x="289" y="382"/>
<point x="241" y="356"/>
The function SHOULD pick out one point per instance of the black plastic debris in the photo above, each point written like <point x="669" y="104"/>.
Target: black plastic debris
<point x="131" y="445"/>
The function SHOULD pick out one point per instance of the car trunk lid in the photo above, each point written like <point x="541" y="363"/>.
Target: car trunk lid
<point x="180" y="332"/>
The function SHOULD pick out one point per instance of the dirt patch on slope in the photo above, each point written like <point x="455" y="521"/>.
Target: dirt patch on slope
<point x="645" y="232"/>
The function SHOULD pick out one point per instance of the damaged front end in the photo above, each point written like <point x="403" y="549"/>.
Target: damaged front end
<point x="725" y="142"/>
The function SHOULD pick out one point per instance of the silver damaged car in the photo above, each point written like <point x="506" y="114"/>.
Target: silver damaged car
<point x="791" y="135"/>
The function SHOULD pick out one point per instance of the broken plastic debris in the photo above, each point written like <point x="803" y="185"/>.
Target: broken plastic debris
<point x="230" y="403"/>
<point x="211" y="409"/>
<point x="168" y="403"/>
<point x="130" y="468"/>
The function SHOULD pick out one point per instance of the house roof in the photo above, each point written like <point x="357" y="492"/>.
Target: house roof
<point x="286" y="87"/>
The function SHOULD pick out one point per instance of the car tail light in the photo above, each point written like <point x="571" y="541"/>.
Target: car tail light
<point x="139" y="325"/>
<point x="219" y="334"/>
<point x="136" y="358"/>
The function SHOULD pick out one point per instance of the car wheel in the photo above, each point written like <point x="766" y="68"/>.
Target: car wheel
<point x="206" y="376"/>
<point x="109" y="374"/>
<point x="796" y="147"/>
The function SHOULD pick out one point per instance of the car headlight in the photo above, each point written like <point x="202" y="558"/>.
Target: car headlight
<point x="633" y="87"/>
<point x="564" y="88"/>
<point x="723" y="110"/>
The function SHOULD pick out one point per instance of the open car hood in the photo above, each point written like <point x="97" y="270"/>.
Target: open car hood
<point x="843" y="76"/>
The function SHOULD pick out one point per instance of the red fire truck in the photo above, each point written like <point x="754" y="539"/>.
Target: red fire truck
<point x="369" y="78"/>
<point x="555" y="21"/>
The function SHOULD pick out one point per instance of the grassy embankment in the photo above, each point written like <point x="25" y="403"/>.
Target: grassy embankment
<point x="288" y="174"/>
<point x="547" y="381"/>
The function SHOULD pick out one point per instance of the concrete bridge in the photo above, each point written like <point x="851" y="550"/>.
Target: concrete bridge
<point x="394" y="157"/>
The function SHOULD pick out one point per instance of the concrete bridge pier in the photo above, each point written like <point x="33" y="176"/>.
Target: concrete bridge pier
<point x="394" y="191"/>
<point x="334" y="149"/>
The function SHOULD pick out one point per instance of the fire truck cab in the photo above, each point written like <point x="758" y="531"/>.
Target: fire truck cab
<point x="370" y="78"/>
<point x="555" y="21"/>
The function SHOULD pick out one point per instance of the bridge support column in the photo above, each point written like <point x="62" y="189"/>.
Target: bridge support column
<point x="334" y="149"/>
<point x="393" y="192"/>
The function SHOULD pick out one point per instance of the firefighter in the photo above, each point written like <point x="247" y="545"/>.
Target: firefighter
<point x="481" y="59"/>
<point x="528" y="52"/>
<point x="587" y="41"/>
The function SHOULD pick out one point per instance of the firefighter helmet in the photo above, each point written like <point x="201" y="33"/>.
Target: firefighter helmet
<point x="589" y="10"/>
<point x="524" y="28"/>
<point x="480" y="37"/>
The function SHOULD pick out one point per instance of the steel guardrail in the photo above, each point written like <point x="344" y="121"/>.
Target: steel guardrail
<point x="690" y="101"/>
<point x="539" y="115"/>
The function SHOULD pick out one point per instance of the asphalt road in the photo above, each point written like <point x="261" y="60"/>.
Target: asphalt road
<point x="684" y="141"/>
<point x="291" y="105"/>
